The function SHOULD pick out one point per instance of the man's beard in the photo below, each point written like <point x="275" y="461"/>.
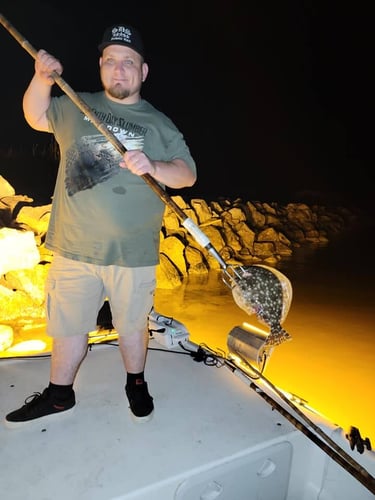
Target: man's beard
<point x="118" y="92"/>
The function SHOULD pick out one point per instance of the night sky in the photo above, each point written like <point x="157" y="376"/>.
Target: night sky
<point x="272" y="98"/>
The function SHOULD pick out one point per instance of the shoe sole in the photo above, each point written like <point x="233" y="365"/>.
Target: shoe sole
<point x="52" y="417"/>
<point x="141" y="420"/>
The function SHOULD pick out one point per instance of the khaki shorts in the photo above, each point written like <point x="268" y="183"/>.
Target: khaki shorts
<point x="75" y="292"/>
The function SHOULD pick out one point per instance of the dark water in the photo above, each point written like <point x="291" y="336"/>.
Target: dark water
<point x="346" y="261"/>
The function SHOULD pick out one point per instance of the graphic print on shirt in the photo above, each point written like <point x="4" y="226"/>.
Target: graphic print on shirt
<point x="93" y="159"/>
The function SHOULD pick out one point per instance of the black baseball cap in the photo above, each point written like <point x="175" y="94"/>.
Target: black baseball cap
<point x="122" y="34"/>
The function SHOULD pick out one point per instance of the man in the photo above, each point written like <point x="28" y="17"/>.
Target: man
<point x="105" y="220"/>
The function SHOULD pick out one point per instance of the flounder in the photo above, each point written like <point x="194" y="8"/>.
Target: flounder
<point x="267" y="293"/>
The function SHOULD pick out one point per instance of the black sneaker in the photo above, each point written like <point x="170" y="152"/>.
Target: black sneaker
<point x="38" y="406"/>
<point x="140" y="402"/>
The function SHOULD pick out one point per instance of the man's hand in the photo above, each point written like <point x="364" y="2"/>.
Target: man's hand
<point x="138" y="163"/>
<point x="45" y="65"/>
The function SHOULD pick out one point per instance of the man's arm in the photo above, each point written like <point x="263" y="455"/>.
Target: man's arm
<point x="37" y="97"/>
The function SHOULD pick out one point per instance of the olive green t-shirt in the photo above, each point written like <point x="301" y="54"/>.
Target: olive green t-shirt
<point x="101" y="213"/>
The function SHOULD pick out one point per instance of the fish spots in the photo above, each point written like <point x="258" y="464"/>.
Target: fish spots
<point x="267" y="293"/>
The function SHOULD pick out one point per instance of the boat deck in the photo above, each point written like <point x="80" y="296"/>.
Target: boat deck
<point x="204" y="415"/>
<point x="211" y="437"/>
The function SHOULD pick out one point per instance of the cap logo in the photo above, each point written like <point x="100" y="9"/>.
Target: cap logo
<point x="121" y="34"/>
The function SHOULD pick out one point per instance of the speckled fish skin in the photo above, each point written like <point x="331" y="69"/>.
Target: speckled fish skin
<point x="260" y="292"/>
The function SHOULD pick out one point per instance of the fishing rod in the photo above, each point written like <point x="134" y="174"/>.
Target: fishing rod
<point x="332" y="449"/>
<point x="348" y="463"/>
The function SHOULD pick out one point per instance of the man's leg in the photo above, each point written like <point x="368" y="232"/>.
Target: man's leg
<point x="133" y="350"/>
<point x="74" y="295"/>
<point x="67" y="356"/>
<point x="130" y="293"/>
